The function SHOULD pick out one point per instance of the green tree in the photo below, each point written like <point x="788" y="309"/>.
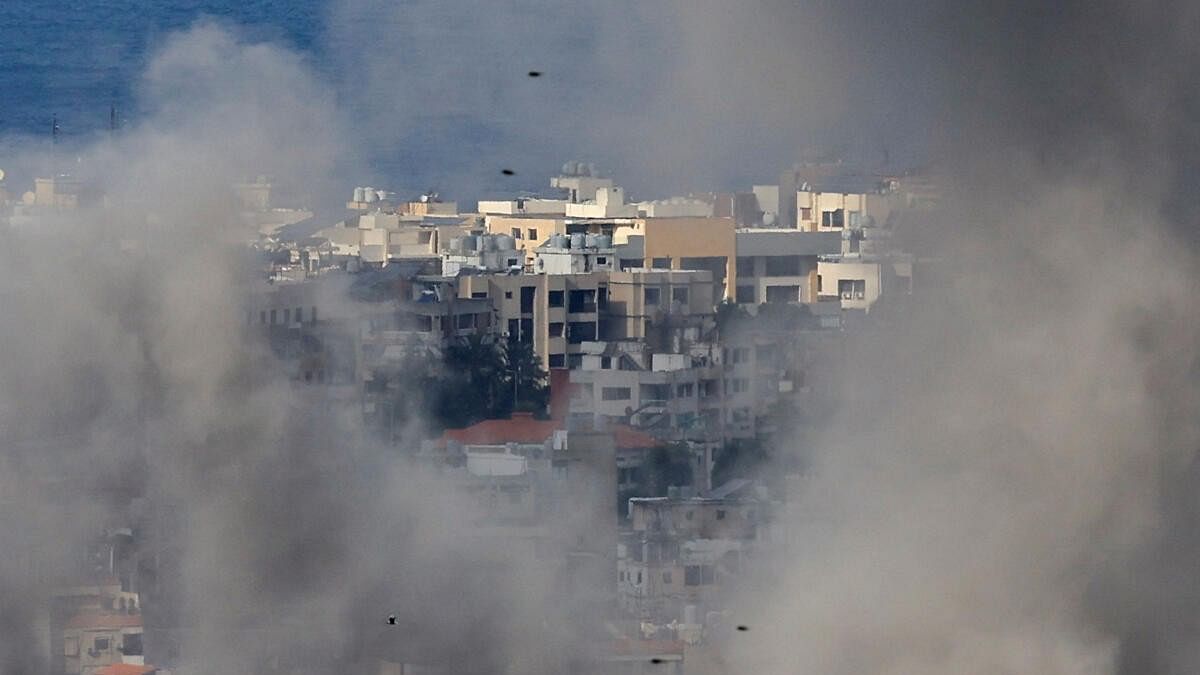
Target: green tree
<point x="524" y="380"/>
<point x="474" y="382"/>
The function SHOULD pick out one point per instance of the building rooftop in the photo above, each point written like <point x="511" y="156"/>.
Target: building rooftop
<point x="523" y="428"/>
<point x="126" y="669"/>
<point x="94" y="619"/>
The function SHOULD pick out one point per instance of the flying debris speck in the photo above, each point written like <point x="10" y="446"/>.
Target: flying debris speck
<point x="535" y="73"/>
<point x="656" y="660"/>
<point x="743" y="628"/>
<point x="508" y="172"/>
<point x="391" y="619"/>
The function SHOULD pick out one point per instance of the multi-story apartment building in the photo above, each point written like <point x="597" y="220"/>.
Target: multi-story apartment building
<point x="685" y="550"/>
<point x="555" y="312"/>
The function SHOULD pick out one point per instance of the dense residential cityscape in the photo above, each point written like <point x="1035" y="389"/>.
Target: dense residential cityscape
<point x="601" y="382"/>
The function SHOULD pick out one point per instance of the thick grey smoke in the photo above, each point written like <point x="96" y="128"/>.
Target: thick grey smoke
<point x="1009" y="487"/>
<point x="282" y="538"/>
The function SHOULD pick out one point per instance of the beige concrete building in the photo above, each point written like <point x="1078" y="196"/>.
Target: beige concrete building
<point x="687" y="244"/>
<point x="556" y="312"/>
<point x="776" y="265"/>
<point x="834" y="211"/>
<point x="101" y="636"/>
<point x="660" y="305"/>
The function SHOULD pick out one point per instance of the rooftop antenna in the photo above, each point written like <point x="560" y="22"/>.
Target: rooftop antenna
<point x="54" y="128"/>
<point x="112" y="118"/>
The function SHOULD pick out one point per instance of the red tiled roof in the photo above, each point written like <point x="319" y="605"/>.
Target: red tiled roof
<point x="632" y="438"/>
<point x="523" y="428"/>
<point x="126" y="669"/>
<point x="104" y="620"/>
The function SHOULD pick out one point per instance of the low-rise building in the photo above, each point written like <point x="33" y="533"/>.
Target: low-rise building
<point x="776" y="265"/>
<point x="685" y="550"/>
<point x="687" y="244"/>
<point x="102" y="636"/>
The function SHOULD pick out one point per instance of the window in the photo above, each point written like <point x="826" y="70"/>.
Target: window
<point x="71" y="646"/>
<point x="639" y="579"/>
<point x="100" y="645"/>
<point x="574" y="361"/>
<point x="831" y="218"/>
<point x="272" y="317"/>
<point x="805" y="213"/>
<point x="558" y="360"/>
<point x="855" y="219"/>
<point x="581" y="331"/>
<point x="852" y="289"/>
<point x="737" y="385"/>
<point x="287" y="317"/>
<point x="131" y="644"/>
<point x="818" y="283"/>
<point x="581" y="301"/>
<point x="601" y="260"/>
<point x="464" y="321"/>
<point x="312" y="316"/>
<point x="556" y="329"/>
<point x="262" y="316"/>
<point x="652" y="295"/>
<point x="660" y="263"/>
<point x="784" y="266"/>
<point x="654" y="392"/>
<point x="666" y="578"/>
<point x="783" y="294"/>
<point x="516" y="233"/>
<point x="741" y="355"/>
<point x="299" y="315"/>
<point x="679" y="294"/>
<point x="616" y="394"/>
<point x="477" y="295"/>
<point x="698" y="575"/>
<point x="508" y="295"/>
<point x="527" y="294"/>
<point x="684" y="390"/>
<point x="605" y="362"/>
<point x="720" y="514"/>
<point x="533" y="234"/>
<point x="602" y="297"/>
<point x="622" y="575"/>
<point x="556" y="298"/>
<point x="745" y="267"/>
<point x="746" y="295"/>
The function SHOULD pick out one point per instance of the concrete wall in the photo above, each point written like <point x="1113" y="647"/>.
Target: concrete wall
<point x="679" y="238"/>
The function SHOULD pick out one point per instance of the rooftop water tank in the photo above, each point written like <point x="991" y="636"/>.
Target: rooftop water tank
<point x="470" y="243"/>
<point x="591" y="240"/>
<point x="381" y="195"/>
<point x="456" y="245"/>
<point x="578" y="240"/>
<point x="505" y="242"/>
<point x="489" y="243"/>
<point x="360" y="195"/>
<point x="604" y="241"/>
<point x="370" y="195"/>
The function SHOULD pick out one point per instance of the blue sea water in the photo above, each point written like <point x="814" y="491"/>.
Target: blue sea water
<point x="75" y="59"/>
